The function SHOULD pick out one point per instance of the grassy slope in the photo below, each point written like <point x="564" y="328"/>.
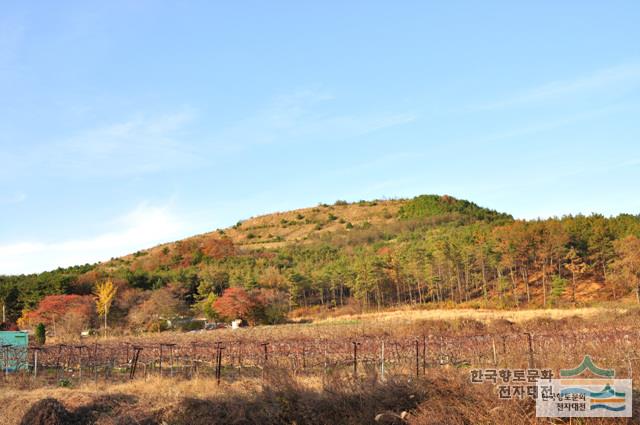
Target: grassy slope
<point x="308" y="225"/>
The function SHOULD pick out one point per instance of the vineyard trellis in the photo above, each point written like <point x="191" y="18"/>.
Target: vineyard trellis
<point x="230" y="359"/>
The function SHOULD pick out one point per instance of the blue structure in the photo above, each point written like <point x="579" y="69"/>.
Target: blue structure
<point x="14" y="350"/>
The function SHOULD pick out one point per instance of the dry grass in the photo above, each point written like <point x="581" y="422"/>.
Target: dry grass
<point x="408" y="314"/>
<point x="300" y="225"/>
<point x="442" y="396"/>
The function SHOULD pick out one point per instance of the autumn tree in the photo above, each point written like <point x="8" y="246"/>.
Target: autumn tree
<point x="577" y="267"/>
<point x="627" y="266"/>
<point x="159" y="306"/>
<point x="236" y="303"/>
<point x="552" y="241"/>
<point x="105" y="293"/>
<point x="61" y="312"/>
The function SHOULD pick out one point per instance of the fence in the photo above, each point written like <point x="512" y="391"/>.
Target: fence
<point x="233" y="359"/>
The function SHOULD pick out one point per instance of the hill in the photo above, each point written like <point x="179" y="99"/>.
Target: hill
<point x="367" y="254"/>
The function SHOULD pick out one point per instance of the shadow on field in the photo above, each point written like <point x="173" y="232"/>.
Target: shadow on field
<point x="440" y="398"/>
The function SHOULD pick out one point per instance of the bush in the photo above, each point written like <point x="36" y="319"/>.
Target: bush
<point x="558" y="286"/>
<point x="40" y="334"/>
<point x="197" y="257"/>
<point x="190" y="325"/>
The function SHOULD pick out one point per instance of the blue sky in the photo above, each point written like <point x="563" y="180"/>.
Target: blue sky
<point x="128" y="123"/>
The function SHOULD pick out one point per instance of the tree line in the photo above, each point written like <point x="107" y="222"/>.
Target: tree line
<point x="436" y="251"/>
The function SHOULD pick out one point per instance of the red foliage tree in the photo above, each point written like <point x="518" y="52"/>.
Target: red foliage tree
<point x="53" y="307"/>
<point x="236" y="303"/>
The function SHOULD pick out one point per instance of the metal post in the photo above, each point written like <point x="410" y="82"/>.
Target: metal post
<point x="424" y="355"/>
<point x="219" y="362"/>
<point x="171" y="355"/>
<point x="35" y="362"/>
<point x="80" y="347"/>
<point x="134" y="362"/>
<point x="5" y="360"/>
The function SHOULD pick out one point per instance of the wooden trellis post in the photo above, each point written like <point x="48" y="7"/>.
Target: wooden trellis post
<point x="355" y="358"/>
<point x="382" y="360"/>
<point x="495" y="355"/>
<point x="531" y="360"/>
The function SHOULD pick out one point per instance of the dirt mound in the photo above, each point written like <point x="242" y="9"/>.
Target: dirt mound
<point x="48" y="411"/>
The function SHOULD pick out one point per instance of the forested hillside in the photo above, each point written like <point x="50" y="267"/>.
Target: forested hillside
<point x="429" y="249"/>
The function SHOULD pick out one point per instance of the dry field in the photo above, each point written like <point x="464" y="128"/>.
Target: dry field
<point x="410" y="367"/>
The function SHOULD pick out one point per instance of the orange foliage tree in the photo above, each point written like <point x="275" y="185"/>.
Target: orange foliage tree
<point x="236" y="303"/>
<point x="52" y="308"/>
<point x="258" y="306"/>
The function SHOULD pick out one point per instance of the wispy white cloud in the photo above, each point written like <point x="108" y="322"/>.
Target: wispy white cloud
<point x="300" y="116"/>
<point x="14" y="199"/>
<point x="624" y="76"/>
<point x="144" y="226"/>
<point x="138" y="145"/>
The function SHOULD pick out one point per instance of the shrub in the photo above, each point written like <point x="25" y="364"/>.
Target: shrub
<point x="332" y="217"/>
<point x="197" y="257"/>
<point x="40" y="334"/>
<point x="558" y="286"/>
<point x="340" y="202"/>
